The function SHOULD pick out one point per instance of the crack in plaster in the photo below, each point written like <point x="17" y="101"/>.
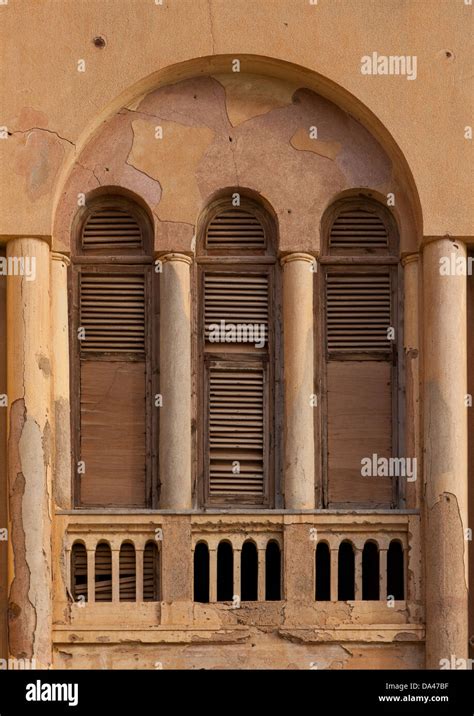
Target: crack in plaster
<point x="211" y="26"/>
<point x="92" y="171"/>
<point x="142" y="172"/>
<point x="43" y="129"/>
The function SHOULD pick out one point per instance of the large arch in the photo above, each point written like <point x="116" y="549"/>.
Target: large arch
<point x="249" y="128"/>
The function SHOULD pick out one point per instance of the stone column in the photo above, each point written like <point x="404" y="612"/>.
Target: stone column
<point x="334" y="574"/>
<point x="29" y="450"/>
<point x="383" y="574"/>
<point x="298" y="322"/>
<point x="445" y="461"/>
<point x="62" y="478"/>
<point x="213" y="574"/>
<point x="175" y="382"/>
<point x="358" y="573"/>
<point x="3" y="468"/>
<point x="237" y="585"/>
<point x="411" y="491"/>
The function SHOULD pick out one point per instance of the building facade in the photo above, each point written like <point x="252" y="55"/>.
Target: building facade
<point x="235" y="323"/>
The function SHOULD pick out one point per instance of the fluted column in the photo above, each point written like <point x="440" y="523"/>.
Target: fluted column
<point x="60" y="375"/>
<point x="298" y="322"/>
<point x="29" y="450"/>
<point x="445" y="462"/>
<point x="175" y="382"/>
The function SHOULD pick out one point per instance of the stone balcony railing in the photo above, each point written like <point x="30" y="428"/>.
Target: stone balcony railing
<point x="312" y="576"/>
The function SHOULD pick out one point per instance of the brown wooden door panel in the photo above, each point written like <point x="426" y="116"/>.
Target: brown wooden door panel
<point x="113" y="433"/>
<point x="359" y="400"/>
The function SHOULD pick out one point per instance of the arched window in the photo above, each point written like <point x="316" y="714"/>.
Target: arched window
<point x="395" y="571"/>
<point x="114" y="290"/>
<point x="346" y="572"/>
<point x="361" y="334"/>
<point x="323" y="572"/>
<point x="237" y="348"/>
<point x="151" y="572"/>
<point x="225" y="572"/>
<point x="370" y="571"/>
<point x="103" y="573"/>
<point x="128" y="571"/>
<point x="272" y="572"/>
<point x="201" y="572"/>
<point x="79" y="572"/>
<point x="249" y="572"/>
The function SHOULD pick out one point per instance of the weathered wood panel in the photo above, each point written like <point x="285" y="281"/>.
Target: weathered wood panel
<point x="113" y="433"/>
<point x="359" y="397"/>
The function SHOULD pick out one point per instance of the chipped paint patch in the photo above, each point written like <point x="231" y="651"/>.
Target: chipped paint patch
<point x="303" y="142"/>
<point x="249" y="96"/>
<point x="172" y="161"/>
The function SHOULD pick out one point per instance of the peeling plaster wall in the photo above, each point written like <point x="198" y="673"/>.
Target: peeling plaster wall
<point x="259" y="651"/>
<point x="29" y="456"/>
<point x="145" y="42"/>
<point x="181" y="144"/>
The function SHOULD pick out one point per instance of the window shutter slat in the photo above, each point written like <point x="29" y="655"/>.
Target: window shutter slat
<point x="112" y="229"/>
<point x="236" y="431"/>
<point x="237" y="300"/>
<point x="358" y="229"/>
<point x="112" y="312"/>
<point x="235" y="229"/>
<point x="358" y="312"/>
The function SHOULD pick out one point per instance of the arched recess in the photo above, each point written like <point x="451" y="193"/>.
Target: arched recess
<point x="211" y="135"/>
<point x="279" y="101"/>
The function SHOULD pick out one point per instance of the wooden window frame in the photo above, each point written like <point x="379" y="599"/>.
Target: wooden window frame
<point x="125" y="262"/>
<point x="368" y="262"/>
<point x="118" y="202"/>
<point x="238" y="262"/>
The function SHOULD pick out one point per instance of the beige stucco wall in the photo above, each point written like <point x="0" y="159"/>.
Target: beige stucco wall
<point x="51" y="108"/>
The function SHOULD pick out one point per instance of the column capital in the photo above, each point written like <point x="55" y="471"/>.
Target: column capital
<point x="176" y="257"/>
<point x="410" y="258"/>
<point x="56" y="256"/>
<point x="298" y="256"/>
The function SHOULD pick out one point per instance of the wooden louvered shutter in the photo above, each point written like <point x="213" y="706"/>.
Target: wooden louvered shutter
<point x="358" y="312"/>
<point x="113" y="426"/>
<point x="237" y="379"/>
<point x="237" y="400"/>
<point x="235" y="229"/>
<point x="112" y="229"/>
<point x="237" y="300"/>
<point x="358" y="231"/>
<point x="360" y="308"/>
